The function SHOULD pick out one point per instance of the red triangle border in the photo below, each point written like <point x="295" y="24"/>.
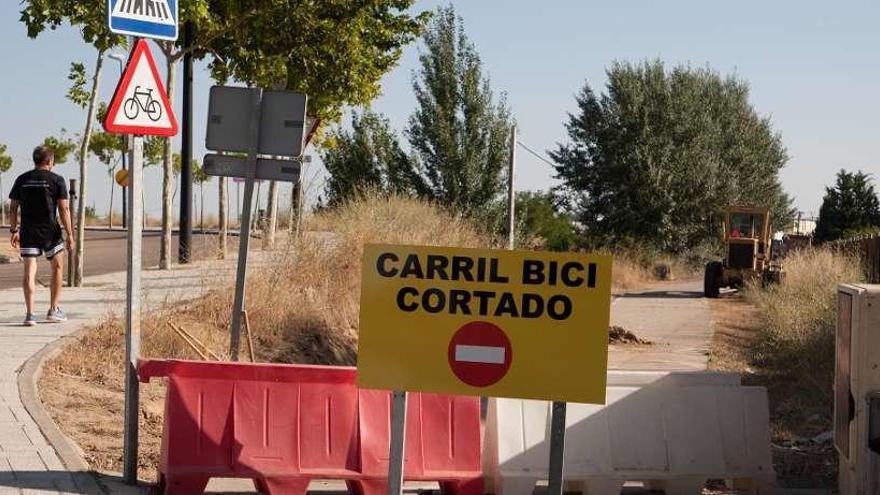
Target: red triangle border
<point x="141" y="49"/>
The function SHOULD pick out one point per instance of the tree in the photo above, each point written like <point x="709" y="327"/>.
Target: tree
<point x="655" y="160"/>
<point x="200" y="177"/>
<point x="849" y="207"/>
<point x="539" y="220"/>
<point x="5" y="166"/>
<point x="38" y="15"/>
<point x="223" y="226"/>
<point x="61" y="145"/>
<point x="368" y="157"/>
<point x="458" y="133"/>
<point x="107" y="148"/>
<point x="335" y="52"/>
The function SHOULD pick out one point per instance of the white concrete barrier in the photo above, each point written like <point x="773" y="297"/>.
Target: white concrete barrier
<point x="672" y="431"/>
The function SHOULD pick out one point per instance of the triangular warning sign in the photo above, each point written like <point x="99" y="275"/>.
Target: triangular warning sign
<point x="140" y="104"/>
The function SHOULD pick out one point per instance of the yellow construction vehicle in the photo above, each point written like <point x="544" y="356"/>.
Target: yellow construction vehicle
<point x="747" y="251"/>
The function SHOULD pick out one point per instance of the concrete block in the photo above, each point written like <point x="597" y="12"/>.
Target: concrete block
<point x="672" y="431"/>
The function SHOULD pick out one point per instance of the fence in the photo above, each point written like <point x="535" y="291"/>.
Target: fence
<point x="868" y="249"/>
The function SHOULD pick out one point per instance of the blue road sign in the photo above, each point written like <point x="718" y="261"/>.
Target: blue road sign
<point x="145" y="18"/>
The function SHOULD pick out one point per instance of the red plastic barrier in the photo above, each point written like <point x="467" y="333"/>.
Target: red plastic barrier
<point x="285" y="425"/>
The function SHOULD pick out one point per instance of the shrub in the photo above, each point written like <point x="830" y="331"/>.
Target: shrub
<point x="801" y="313"/>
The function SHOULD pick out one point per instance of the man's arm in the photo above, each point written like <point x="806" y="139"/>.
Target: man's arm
<point x="13" y="222"/>
<point x="64" y="210"/>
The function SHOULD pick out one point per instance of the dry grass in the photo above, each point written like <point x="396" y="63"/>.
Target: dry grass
<point x="303" y="309"/>
<point x="800" y="316"/>
<point x="628" y="273"/>
<point x="782" y="338"/>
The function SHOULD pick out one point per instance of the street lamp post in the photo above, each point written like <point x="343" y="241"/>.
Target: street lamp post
<point x="122" y="60"/>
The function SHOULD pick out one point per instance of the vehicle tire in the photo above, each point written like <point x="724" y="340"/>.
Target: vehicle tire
<point x="131" y="108"/>
<point x="712" y="279"/>
<point x="154" y="110"/>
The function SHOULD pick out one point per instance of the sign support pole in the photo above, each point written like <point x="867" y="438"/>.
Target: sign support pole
<point x="511" y="195"/>
<point x="557" y="448"/>
<point x="133" y="313"/>
<point x="184" y="249"/>
<point x="70" y="254"/>
<point x="398" y="442"/>
<point x="244" y="236"/>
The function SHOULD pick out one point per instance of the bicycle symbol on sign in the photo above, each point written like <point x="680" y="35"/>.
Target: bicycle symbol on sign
<point x="142" y="100"/>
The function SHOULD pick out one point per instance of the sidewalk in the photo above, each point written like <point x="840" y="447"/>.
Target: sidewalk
<point x="674" y="317"/>
<point x="28" y="464"/>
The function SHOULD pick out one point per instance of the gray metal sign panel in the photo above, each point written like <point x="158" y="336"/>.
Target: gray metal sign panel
<point x="282" y="123"/>
<point x="236" y="166"/>
<point x="229" y="115"/>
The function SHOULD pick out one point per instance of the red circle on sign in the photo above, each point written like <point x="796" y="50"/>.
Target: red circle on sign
<point x="480" y="354"/>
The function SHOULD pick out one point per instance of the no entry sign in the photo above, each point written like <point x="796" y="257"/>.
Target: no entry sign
<point x="480" y="353"/>
<point x="485" y="322"/>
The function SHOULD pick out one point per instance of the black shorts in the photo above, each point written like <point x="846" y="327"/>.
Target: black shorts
<point x="39" y="240"/>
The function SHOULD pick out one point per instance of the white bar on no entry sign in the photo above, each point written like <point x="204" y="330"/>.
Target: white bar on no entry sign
<point x="479" y="354"/>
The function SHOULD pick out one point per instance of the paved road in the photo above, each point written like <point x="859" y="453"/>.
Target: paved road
<point x="105" y="253"/>
<point x="675" y="317"/>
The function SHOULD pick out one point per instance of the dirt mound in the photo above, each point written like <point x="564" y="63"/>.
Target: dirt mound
<point x="619" y="335"/>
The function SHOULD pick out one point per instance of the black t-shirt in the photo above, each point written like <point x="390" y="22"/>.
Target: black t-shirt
<point x="38" y="192"/>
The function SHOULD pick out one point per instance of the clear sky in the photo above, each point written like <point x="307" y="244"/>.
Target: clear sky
<point x="813" y="67"/>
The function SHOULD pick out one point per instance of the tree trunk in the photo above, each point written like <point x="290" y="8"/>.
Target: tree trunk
<point x="83" y="161"/>
<point x="272" y="212"/>
<point x="168" y="177"/>
<point x="222" y="218"/>
<point x="202" y="207"/>
<point x="295" y="209"/>
<point x="112" y="190"/>
<point x="2" y="203"/>
<point x="255" y="215"/>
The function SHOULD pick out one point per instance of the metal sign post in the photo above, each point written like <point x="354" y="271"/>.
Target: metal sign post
<point x="557" y="448"/>
<point x="70" y="254"/>
<point x="245" y="225"/>
<point x="133" y="312"/>
<point x="398" y="443"/>
<point x="511" y="194"/>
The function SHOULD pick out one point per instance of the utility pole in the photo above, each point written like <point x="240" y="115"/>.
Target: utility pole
<point x="186" y="151"/>
<point x="511" y="195"/>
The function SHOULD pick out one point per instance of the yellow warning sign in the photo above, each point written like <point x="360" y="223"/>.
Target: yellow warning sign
<point x="485" y="322"/>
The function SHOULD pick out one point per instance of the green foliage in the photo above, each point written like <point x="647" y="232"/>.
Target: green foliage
<point x="62" y="145"/>
<point x="850" y="207"/>
<point x="334" y="51"/>
<point x="154" y="151"/>
<point x="106" y="147"/>
<point x="91" y="212"/>
<point x="89" y="17"/>
<point x="537" y="218"/>
<point x="5" y="160"/>
<point x="458" y="133"/>
<point x="368" y="158"/>
<point x="199" y="175"/>
<point x="656" y="159"/>
<point x="78" y="93"/>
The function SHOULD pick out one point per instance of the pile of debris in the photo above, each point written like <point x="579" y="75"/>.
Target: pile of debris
<point x="620" y="335"/>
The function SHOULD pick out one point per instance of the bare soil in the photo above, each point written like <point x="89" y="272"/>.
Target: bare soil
<point x="799" y="420"/>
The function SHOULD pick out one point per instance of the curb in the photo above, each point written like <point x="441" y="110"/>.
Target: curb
<point x="68" y="451"/>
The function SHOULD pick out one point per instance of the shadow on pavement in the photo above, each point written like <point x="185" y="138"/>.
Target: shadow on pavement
<point x="663" y="294"/>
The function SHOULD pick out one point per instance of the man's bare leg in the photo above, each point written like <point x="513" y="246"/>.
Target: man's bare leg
<point x="57" y="280"/>
<point x="27" y="283"/>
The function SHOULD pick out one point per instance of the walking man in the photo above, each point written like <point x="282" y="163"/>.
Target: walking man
<point x="42" y="197"/>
